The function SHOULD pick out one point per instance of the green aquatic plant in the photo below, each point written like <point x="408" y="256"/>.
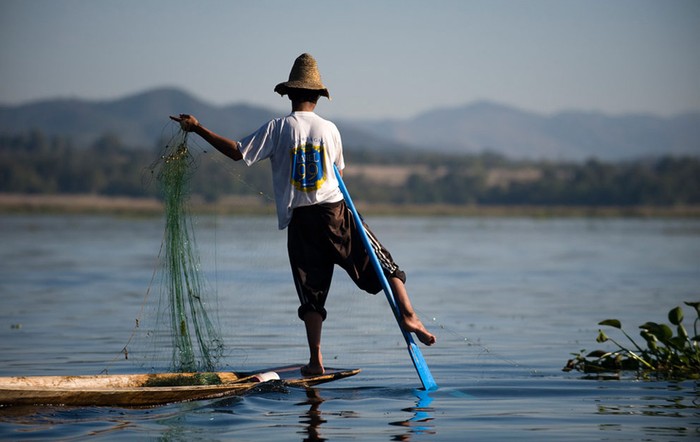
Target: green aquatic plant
<point x="665" y="355"/>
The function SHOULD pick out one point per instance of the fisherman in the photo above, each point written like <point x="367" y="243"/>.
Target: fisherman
<point x="321" y="232"/>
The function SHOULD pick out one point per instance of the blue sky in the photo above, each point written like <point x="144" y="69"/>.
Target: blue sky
<point x="380" y="59"/>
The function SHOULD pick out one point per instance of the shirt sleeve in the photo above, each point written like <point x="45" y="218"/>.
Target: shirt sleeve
<point x="260" y="144"/>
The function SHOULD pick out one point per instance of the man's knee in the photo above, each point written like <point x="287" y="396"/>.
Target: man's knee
<point x="306" y="308"/>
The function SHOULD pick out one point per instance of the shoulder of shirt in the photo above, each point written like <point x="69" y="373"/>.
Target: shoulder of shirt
<point x="308" y="114"/>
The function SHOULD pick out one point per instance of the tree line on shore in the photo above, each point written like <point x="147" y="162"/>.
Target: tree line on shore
<point x="34" y="163"/>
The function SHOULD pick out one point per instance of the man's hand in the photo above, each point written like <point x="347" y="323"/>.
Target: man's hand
<point x="188" y="123"/>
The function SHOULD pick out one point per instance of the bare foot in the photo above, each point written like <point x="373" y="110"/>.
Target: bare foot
<point x="312" y="370"/>
<point x="410" y="322"/>
<point x="414" y="325"/>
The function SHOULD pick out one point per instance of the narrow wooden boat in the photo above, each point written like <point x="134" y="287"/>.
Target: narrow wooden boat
<point x="141" y="390"/>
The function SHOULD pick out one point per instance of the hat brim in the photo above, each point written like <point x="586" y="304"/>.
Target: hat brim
<point x="283" y="88"/>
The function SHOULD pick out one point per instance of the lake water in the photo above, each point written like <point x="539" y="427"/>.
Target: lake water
<point x="509" y="300"/>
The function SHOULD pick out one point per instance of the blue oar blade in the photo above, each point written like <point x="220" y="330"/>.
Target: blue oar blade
<point x="424" y="374"/>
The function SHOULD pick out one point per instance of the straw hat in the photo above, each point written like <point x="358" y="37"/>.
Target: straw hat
<point x="304" y="75"/>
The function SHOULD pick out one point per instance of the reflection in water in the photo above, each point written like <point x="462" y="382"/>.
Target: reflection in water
<point x="312" y="419"/>
<point x="420" y="422"/>
<point x="662" y="400"/>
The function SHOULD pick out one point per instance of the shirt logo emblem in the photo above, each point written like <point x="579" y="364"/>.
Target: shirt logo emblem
<point x="308" y="173"/>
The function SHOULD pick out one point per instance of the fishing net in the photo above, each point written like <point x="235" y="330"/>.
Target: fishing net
<point x="196" y="340"/>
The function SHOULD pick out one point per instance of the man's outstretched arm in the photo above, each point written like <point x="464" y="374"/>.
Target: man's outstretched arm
<point x="226" y="146"/>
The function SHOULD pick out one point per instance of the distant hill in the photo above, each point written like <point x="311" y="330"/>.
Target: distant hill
<point x="140" y="120"/>
<point x="567" y="135"/>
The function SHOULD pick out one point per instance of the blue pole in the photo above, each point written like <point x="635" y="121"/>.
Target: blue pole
<point x="419" y="363"/>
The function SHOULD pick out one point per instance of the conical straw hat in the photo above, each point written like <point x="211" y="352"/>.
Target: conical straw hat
<point x="304" y="75"/>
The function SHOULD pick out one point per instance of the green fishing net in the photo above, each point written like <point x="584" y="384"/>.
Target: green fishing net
<point x="196" y="340"/>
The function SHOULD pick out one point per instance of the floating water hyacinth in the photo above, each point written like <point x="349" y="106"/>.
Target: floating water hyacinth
<point x="197" y="343"/>
<point x="665" y="357"/>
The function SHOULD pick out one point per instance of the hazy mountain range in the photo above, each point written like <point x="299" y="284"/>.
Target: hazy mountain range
<point x="141" y="119"/>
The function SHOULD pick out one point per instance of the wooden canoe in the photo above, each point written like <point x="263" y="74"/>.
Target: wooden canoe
<point x="141" y="390"/>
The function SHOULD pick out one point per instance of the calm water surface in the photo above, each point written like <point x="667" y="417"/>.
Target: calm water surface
<point x="509" y="300"/>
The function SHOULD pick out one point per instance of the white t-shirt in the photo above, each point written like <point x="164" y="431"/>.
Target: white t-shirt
<point x="302" y="148"/>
